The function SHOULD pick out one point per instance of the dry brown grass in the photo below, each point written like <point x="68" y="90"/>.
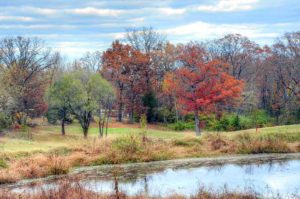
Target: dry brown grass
<point x="131" y="148"/>
<point x="98" y="152"/>
<point x="249" y="145"/>
<point x="33" y="167"/>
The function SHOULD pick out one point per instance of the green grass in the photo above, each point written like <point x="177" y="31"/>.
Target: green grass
<point x="46" y="138"/>
<point x="113" y="132"/>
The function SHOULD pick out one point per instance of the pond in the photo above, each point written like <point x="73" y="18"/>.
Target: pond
<point x="265" y="175"/>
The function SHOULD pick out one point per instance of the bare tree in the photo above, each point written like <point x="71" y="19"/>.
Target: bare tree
<point x="280" y="85"/>
<point x="239" y="52"/>
<point x="91" y="61"/>
<point x="145" y="39"/>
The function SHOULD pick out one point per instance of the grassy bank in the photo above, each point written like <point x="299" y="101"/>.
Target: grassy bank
<point x="42" y="151"/>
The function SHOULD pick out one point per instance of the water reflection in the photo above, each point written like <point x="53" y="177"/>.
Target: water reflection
<point x="263" y="178"/>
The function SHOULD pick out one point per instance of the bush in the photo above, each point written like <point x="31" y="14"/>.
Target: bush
<point x="3" y="163"/>
<point x="52" y="115"/>
<point x="165" y="115"/>
<point x="228" y="121"/>
<point x="260" y="118"/>
<point x="128" y="144"/>
<point x="5" y="121"/>
<point x="233" y="122"/>
<point x="180" y="126"/>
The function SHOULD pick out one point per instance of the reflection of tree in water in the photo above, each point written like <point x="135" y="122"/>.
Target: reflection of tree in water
<point x="146" y="186"/>
<point x="269" y="165"/>
<point x="218" y="169"/>
<point x="131" y="176"/>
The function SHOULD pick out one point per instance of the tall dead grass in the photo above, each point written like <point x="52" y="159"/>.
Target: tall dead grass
<point x="70" y="189"/>
<point x="249" y="145"/>
<point x="121" y="150"/>
<point x="134" y="148"/>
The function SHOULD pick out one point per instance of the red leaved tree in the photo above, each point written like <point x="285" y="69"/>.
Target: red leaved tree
<point x="202" y="85"/>
<point x="126" y="67"/>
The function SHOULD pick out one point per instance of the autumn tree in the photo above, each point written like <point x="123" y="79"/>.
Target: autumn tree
<point x="170" y="95"/>
<point x="279" y="78"/>
<point x="125" y="67"/>
<point x="153" y="44"/>
<point x="25" y="65"/>
<point x="200" y="84"/>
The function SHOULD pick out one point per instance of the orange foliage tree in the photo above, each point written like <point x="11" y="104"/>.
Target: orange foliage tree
<point x="126" y="68"/>
<point x="201" y="85"/>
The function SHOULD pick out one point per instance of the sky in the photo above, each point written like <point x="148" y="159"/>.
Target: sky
<point x="74" y="27"/>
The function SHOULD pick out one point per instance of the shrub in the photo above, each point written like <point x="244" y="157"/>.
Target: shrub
<point x="180" y="126"/>
<point x="58" y="166"/>
<point x="260" y="118"/>
<point x="5" y="121"/>
<point x="233" y="122"/>
<point x="127" y="144"/>
<point x="52" y="115"/>
<point x="3" y="163"/>
<point x="165" y="115"/>
<point x="223" y="124"/>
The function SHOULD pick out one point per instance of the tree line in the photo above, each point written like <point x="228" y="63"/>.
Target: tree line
<point x="146" y="74"/>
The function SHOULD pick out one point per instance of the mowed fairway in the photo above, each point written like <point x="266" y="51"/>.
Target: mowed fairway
<point x="45" y="138"/>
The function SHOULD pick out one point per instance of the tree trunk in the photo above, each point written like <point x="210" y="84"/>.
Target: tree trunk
<point x="120" y="112"/>
<point x="85" y="132"/>
<point x="99" y="123"/>
<point x="131" y="115"/>
<point x="63" y="132"/>
<point x="106" y="126"/>
<point x="176" y="111"/>
<point x="100" y="129"/>
<point x="197" y="124"/>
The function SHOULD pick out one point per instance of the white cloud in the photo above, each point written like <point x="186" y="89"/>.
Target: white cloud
<point x="41" y="11"/>
<point x="16" y="18"/>
<point x="137" y="20"/>
<point x="95" y="11"/>
<point x="77" y="49"/>
<point x="229" y="6"/>
<point x="201" y="31"/>
<point x="118" y="36"/>
<point x="172" y="11"/>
